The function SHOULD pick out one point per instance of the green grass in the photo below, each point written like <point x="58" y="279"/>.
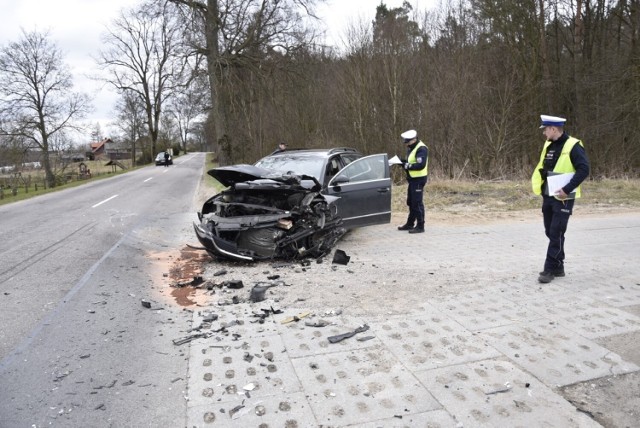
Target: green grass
<point x="98" y="170"/>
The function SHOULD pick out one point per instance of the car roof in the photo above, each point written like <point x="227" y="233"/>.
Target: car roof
<point x="316" y="152"/>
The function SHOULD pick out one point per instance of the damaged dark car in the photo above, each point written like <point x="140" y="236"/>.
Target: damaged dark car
<point x="294" y="204"/>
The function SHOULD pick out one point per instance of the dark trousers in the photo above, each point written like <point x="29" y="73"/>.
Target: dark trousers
<point x="415" y="194"/>
<point x="556" y="218"/>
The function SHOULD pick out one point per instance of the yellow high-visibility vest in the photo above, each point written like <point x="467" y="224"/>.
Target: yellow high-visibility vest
<point x="563" y="165"/>
<point x="415" y="173"/>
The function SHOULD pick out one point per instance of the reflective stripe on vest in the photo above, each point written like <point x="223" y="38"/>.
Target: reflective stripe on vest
<point x="415" y="173"/>
<point x="564" y="165"/>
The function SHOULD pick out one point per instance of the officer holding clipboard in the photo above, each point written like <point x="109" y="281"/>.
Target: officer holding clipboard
<point x="563" y="166"/>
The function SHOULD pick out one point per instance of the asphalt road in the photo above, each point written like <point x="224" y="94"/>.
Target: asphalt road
<point x="74" y="335"/>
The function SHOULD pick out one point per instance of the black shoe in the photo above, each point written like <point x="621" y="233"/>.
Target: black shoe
<point x="405" y="226"/>
<point x="555" y="273"/>
<point x="417" y="230"/>
<point x="546" y="277"/>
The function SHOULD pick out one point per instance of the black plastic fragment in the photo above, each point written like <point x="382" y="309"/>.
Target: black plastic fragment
<point x="341" y="337"/>
<point x="340" y="257"/>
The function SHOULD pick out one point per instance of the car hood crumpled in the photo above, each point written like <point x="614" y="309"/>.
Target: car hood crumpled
<point x="231" y="175"/>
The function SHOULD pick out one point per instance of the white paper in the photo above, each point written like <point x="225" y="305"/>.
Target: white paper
<point x="558" y="181"/>
<point x="395" y="161"/>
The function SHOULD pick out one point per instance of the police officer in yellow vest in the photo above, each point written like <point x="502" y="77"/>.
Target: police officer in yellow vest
<point x="416" y="168"/>
<point x="561" y="154"/>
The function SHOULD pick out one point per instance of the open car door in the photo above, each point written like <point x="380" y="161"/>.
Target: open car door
<point x="364" y="189"/>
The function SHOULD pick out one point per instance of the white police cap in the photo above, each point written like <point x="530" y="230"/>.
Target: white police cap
<point x="409" y="135"/>
<point x="551" y="121"/>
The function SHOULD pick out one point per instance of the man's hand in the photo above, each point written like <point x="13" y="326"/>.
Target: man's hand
<point x="561" y="195"/>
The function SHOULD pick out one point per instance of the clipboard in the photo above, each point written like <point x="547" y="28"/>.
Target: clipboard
<point x="555" y="182"/>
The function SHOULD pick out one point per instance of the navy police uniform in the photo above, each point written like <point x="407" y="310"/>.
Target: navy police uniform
<point x="565" y="154"/>
<point x="416" y="169"/>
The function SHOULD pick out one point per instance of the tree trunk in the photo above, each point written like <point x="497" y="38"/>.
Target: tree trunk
<point x="221" y="143"/>
<point x="547" y="83"/>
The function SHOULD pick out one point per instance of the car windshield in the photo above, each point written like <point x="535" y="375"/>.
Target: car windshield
<point x="294" y="162"/>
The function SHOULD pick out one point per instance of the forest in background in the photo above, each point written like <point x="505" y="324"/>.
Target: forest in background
<point x="472" y="77"/>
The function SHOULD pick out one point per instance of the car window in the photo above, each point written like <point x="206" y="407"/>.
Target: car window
<point x="307" y="165"/>
<point x="347" y="159"/>
<point x="364" y="169"/>
<point x="333" y="166"/>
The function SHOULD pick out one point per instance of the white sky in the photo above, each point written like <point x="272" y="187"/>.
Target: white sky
<point x="76" y="27"/>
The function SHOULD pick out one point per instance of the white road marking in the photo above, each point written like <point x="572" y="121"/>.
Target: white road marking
<point x="150" y="178"/>
<point x="106" y="200"/>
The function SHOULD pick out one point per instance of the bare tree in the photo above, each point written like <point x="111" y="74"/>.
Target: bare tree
<point x="96" y="132"/>
<point x="144" y="57"/>
<point x="130" y="120"/>
<point x="239" y="34"/>
<point x="37" y="102"/>
<point x="185" y="108"/>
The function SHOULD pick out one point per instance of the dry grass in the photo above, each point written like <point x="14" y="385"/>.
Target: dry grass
<point x="452" y="199"/>
<point x="468" y="201"/>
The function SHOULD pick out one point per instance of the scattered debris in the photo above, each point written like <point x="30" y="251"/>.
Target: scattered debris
<point x="258" y="292"/>
<point x="235" y="410"/>
<point x="195" y="247"/>
<point x="209" y="317"/>
<point x="233" y="284"/>
<point x="295" y="318"/>
<point x="365" y="338"/>
<point x="319" y="323"/>
<point x="341" y="337"/>
<point x="145" y="303"/>
<point x="507" y="387"/>
<point x="188" y="339"/>
<point x="340" y="257"/>
<point x="220" y="272"/>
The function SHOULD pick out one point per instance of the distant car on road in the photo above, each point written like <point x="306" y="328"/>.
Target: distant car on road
<point x="160" y="159"/>
<point x="295" y="203"/>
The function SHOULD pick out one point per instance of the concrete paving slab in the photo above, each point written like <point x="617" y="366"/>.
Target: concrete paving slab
<point x="432" y="419"/>
<point x="283" y="410"/>
<point x="362" y="385"/>
<point x="586" y="316"/>
<point x="614" y="295"/>
<point x="554" y="354"/>
<point x="496" y="393"/>
<point x="238" y="369"/>
<point x="226" y="374"/>
<point x="483" y="309"/>
<point x="238" y="320"/>
<point x="524" y="290"/>
<point x="302" y="340"/>
<point x="431" y="340"/>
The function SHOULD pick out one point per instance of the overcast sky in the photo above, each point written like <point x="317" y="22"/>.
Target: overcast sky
<point x="76" y="26"/>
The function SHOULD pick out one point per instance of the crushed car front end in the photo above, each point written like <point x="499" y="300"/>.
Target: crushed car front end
<point x="264" y="215"/>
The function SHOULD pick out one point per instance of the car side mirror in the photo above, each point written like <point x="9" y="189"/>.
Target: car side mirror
<point x="340" y="179"/>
